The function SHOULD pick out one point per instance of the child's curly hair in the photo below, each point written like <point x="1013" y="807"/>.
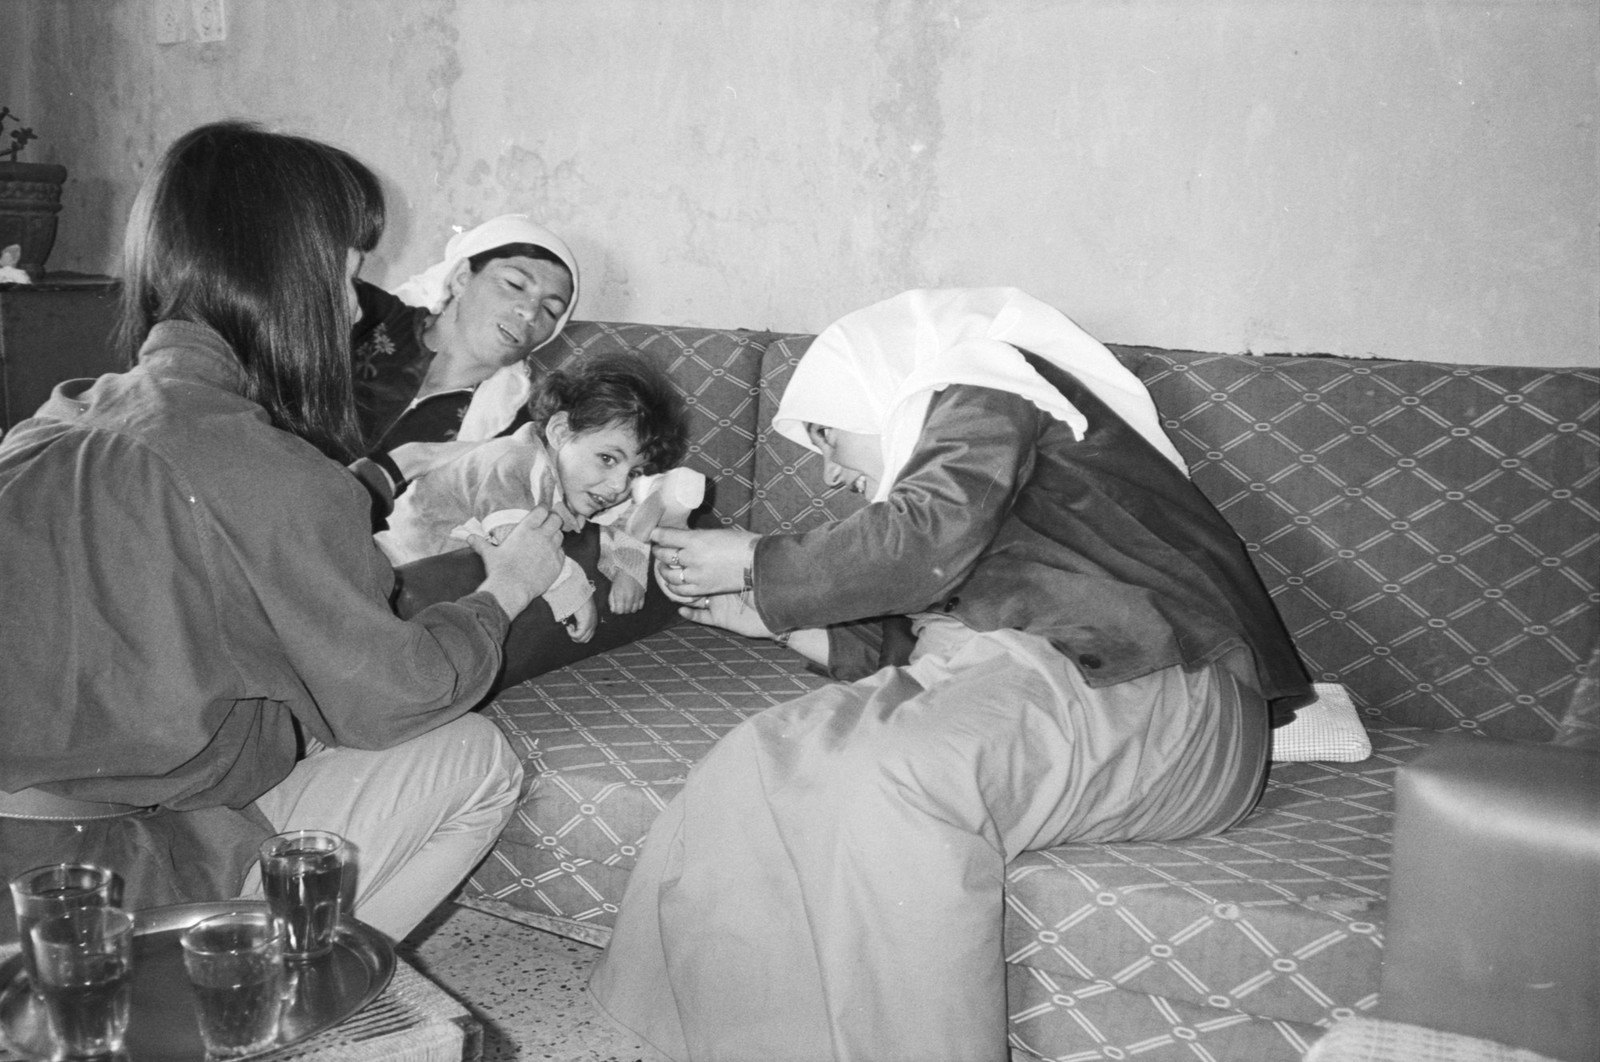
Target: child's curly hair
<point x="599" y="390"/>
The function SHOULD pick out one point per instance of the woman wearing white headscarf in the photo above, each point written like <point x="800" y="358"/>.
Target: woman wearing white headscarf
<point x="1094" y="661"/>
<point x="447" y="356"/>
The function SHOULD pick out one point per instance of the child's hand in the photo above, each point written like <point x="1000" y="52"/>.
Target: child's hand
<point x="627" y="594"/>
<point x="581" y="624"/>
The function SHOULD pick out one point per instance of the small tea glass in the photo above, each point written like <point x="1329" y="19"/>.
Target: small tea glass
<point x="235" y="965"/>
<point x="56" y="888"/>
<point x="85" y="977"/>
<point x="302" y="874"/>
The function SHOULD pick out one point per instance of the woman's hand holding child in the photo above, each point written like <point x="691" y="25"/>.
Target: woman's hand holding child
<point x="525" y="563"/>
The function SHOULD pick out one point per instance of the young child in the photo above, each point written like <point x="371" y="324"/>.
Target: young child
<point x="606" y="434"/>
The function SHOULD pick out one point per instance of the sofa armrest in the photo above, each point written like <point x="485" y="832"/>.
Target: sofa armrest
<point x="1494" y="902"/>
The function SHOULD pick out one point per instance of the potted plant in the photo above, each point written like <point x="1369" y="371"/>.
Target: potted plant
<point x="30" y="197"/>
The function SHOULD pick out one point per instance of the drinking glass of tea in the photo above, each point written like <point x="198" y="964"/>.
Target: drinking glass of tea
<point x="235" y="965"/>
<point x="56" y="888"/>
<point x="84" y="957"/>
<point x="302" y="874"/>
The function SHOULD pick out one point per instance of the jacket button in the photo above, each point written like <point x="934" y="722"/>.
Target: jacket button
<point x="1090" y="661"/>
<point x="950" y="605"/>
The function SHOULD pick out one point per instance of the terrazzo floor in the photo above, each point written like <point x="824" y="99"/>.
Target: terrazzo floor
<point x="524" y="985"/>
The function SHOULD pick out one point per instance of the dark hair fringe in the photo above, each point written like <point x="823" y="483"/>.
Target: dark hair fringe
<point x="247" y="232"/>
<point x="598" y="390"/>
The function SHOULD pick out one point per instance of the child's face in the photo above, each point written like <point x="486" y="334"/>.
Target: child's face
<point x="595" y="467"/>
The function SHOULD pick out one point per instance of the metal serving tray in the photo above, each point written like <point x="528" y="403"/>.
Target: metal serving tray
<point x="163" y="1026"/>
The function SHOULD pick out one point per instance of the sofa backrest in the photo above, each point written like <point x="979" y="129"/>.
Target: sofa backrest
<point x="1429" y="532"/>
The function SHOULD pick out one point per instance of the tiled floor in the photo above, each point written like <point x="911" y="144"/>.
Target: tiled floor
<point x="526" y="987"/>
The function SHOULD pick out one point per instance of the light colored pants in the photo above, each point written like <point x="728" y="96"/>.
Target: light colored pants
<point x="418" y="816"/>
<point x="829" y="884"/>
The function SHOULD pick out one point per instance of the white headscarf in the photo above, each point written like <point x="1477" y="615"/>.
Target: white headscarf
<point x="874" y="371"/>
<point x="496" y="400"/>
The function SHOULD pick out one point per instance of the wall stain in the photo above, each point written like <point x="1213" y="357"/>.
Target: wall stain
<point x="438" y="31"/>
<point x="914" y="40"/>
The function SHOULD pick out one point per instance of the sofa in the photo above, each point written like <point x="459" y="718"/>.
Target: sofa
<point x="1430" y="535"/>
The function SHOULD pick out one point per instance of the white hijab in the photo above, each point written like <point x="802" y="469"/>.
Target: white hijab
<point x="874" y="371"/>
<point x="495" y="401"/>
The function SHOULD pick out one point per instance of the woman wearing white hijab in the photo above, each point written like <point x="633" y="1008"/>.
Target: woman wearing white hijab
<point x="447" y="356"/>
<point x="1094" y="661"/>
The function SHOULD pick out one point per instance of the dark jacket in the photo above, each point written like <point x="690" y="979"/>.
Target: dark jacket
<point x="188" y="591"/>
<point x="1005" y="520"/>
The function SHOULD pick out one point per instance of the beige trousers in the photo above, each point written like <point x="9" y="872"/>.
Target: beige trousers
<point x="418" y="816"/>
<point x="829" y="883"/>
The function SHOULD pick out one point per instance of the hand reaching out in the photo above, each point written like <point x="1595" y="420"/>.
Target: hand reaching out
<point x="693" y="564"/>
<point x="627" y="594"/>
<point x="525" y="563"/>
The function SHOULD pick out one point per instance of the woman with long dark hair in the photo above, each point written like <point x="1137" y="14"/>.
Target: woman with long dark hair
<point x="196" y="641"/>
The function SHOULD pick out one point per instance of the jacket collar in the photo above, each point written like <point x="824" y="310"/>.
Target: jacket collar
<point x="194" y="351"/>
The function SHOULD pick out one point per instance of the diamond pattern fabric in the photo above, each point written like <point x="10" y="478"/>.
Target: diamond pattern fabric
<point x="1431" y="536"/>
<point x="1280" y="918"/>
<point x="1430" y="533"/>
<point x="605" y="743"/>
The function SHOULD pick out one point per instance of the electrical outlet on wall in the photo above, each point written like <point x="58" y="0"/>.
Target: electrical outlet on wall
<point x="210" y="20"/>
<point x="172" y="21"/>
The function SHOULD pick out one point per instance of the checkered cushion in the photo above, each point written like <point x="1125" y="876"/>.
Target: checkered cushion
<point x="1429" y="532"/>
<point x="1269" y="930"/>
<point x="605" y="743"/>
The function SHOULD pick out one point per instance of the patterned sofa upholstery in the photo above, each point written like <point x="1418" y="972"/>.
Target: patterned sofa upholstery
<point x="1431" y="537"/>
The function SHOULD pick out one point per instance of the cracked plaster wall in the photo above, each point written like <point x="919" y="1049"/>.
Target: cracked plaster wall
<point x="1405" y="179"/>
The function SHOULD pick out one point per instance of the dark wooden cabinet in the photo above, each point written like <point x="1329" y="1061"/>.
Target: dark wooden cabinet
<point x="59" y="328"/>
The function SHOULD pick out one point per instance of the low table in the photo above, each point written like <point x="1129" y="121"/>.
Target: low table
<point x="413" y="1020"/>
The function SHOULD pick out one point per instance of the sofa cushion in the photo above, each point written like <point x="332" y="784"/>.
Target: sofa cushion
<point x="605" y="743"/>
<point x="1281" y="917"/>
<point x="1427" y="531"/>
<point x="1329" y="728"/>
